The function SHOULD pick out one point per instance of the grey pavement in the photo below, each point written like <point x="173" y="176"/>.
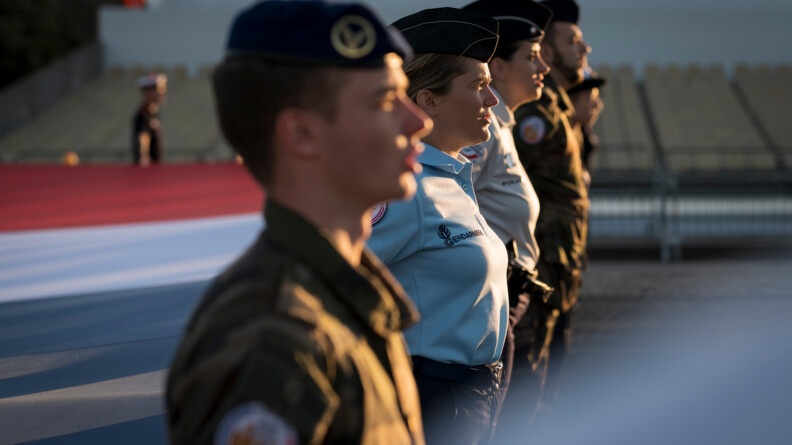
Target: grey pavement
<point x="691" y="352"/>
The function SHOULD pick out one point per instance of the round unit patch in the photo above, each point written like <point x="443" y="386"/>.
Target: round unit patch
<point x="252" y="423"/>
<point x="353" y="37"/>
<point x="532" y="129"/>
<point x="378" y="212"/>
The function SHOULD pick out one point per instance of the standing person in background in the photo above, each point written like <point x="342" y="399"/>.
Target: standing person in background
<point x="299" y="341"/>
<point x="505" y="194"/>
<point x="550" y="152"/>
<point x="585" y="98"/>
<point x="438" y="245"/>
<point x="146" y="129"/>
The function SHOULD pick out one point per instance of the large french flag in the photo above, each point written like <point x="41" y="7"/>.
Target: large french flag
<point x="100" y="267"/>
<point x="85" y="229"/>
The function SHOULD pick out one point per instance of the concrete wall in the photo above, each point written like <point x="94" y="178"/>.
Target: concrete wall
<point x="633" y="32"/>
<point x="32" y="95"/>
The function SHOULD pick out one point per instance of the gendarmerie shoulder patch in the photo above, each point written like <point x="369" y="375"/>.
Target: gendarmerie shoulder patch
<point x="532" y="129"/>
<point x="378" y="212"/>
<point x="353" y="36"/>
<point x="252" y="423"/>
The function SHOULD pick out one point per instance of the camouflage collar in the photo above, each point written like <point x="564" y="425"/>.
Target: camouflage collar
<point x="368" y="290"/>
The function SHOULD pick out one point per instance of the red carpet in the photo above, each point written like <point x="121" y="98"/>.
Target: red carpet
<point x="39" y="197"/>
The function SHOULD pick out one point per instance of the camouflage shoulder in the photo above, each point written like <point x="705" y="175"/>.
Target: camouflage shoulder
<point x="239" y="353"/>
<point x="284" y="388"/>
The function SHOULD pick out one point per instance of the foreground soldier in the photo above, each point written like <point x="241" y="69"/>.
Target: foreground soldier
<point x="299" y="340"/>
<point x="550" y="152"/>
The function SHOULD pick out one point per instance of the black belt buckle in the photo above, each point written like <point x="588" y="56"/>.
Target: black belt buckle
<point x="481" y="375"/>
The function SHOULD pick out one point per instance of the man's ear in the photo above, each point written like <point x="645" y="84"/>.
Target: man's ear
<point x="299" y="131"/>
<point x="427" y="101"/>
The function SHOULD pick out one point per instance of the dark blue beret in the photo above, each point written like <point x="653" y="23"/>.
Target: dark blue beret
<point x="314" y="32"/>
<point x="451" y="31"/>
<point x="563" y="10"/>
<point x="518" y="19"/>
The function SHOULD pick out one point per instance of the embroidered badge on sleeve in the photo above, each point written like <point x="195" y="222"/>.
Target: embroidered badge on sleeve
<point x="532" y="129"/>
<point x="378" y="212"/>
<point x="252" y="423"/>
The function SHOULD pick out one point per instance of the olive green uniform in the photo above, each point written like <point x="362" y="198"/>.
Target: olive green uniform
<point x="313" y="343"/>
<point x="549" y="150"/>
<point x="553" y="164"/>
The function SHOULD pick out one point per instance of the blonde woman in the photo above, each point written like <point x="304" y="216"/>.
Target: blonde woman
<point x="437" y="244"/>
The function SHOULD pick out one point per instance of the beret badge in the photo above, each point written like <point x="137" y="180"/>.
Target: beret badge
<point x="353" y="37"/>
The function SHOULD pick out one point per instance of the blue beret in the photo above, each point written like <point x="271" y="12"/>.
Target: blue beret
<point x="563" y="10"/>
<point x="451" y="31"/>
<point x="314" y="32"/>
<point x="518" y="19"/>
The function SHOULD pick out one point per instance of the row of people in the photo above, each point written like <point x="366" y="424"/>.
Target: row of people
<point x="405" y="167"/>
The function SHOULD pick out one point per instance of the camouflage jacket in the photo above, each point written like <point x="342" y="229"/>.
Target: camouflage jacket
<point x="550" y="153"/>
<point x="291" y="344"/>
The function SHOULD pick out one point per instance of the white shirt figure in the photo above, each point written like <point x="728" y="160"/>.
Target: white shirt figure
<point x="505" y="194"/>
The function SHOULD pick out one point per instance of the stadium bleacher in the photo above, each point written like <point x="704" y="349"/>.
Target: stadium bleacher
<point x="768" y="91"/>
<point x="622" y="126"/>
<point x="674" y="118"/>
<point x="95" y="121"/>
<point x="701" y="123"/>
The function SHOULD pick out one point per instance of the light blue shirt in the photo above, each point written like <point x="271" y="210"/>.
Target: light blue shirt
<point x="450" y="262"/>
<point x="505" y="194"/>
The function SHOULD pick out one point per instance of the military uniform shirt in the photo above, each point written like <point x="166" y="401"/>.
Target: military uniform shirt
<point x="550" y="154"/>
<point x="505" y="194"/>
<point x="292" y="344"/>
<point x="450" y="263"/>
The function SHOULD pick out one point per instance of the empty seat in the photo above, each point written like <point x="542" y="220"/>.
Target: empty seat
<point x="767" y="91"/>
<point x="623" y="129"/>
<point x="701" y="122"/>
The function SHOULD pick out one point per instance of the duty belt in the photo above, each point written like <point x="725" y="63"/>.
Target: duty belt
<point x="480" y="376"/>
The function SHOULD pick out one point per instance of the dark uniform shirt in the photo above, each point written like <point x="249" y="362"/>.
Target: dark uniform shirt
<point x="550" y="153"/>
<point x="149" y="123"/>
<point x="291" y="344"/>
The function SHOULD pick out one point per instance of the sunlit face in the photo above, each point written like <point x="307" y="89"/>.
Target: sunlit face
<point x="462" y="117"/>
<point x="524" y="73"/>
<point x="588" y="106"/>
<point x="374" y="138"/>
<point x="569" y="52"/>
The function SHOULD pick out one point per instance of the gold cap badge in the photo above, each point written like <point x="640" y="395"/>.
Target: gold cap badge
<point x="353" y="37"/>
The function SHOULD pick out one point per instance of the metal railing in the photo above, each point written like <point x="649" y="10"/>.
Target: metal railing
<point x="673" y="210"/>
